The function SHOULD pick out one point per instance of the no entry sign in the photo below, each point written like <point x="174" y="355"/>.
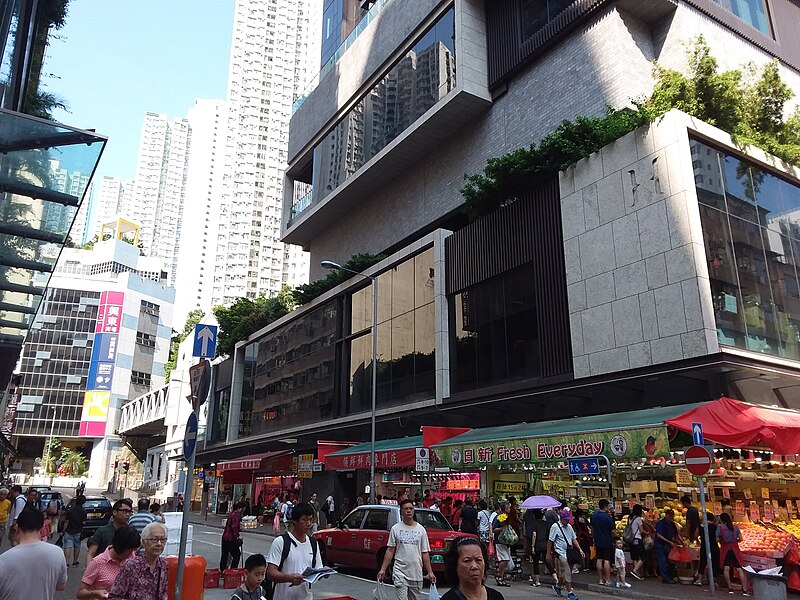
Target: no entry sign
<point x="698" y="460"/>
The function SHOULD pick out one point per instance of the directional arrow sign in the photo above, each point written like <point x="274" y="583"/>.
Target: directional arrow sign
<point x="205" y="340"/>
<point x="697" y="434"/>
<point x="190" y="439"/>
<point x="584" y="466"/>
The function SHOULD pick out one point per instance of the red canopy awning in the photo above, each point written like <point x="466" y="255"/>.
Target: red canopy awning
<point x="736" y="424"/>
<point x="252" y="462"/>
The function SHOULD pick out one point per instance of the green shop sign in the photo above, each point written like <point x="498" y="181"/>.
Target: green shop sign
<point x="649" y="442"/>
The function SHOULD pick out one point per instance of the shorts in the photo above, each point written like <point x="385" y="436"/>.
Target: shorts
<point x="503" y="552"/>
<point x="604" y="554"/>
<point x="731" y="561"/>
<point x="72" y="540"/>
<point x="563" y="569"/>
<point x="637" y="550"/>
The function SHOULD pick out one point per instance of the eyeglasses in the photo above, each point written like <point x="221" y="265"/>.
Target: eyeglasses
<point x="124" y="510"/>
<point x="157" y="540"/>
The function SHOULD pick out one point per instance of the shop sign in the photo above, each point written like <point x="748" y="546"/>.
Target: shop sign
<point x="399" y="477"/>
<point x="755" y="514"/>
<point x="765" y="493"/>
<point x="462" y="484"/>
<point x="649" y="442"/>
<point x="650" y="501"/>
<point x="683" y="478"/>
<point x="748" y="494"/>
<point x="726" y="493"/>
<point x="718" y="508"/>
<point x="668" y="487"/>
<point x="790" y="508"/>
<point x="769" y="512"/>
<point x="510" y="487"/>
<point x="305" y="466"/>
<point x="387" y="459"/>
<point x="740" y="514"/>
<point x="423" y="460"/>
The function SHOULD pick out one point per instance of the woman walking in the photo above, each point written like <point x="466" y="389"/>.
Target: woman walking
<point x="637" y="547"/>
<point x="730" y="556"/>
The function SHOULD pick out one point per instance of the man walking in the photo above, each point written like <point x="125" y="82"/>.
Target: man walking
<point x="74" y="519"/>
<point x="142" y="517"/>
<point x="409" y="547"/>
<point x="17" y="506"/>
<point x="329" y="508"/>
<point x="120" y="513"/>
<point x="32" y="569"/>
<point x="292" y="553"/>
<point x="562" y="536"/>
<point x="469" y="518"/>
<point x="603" y="533"/>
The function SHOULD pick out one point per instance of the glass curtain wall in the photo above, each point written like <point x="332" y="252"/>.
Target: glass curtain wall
<point x="752" y="12"/>
<point x="751" y="228"/>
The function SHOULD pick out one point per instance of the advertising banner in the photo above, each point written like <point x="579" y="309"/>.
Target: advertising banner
<point x="648" y="442"/>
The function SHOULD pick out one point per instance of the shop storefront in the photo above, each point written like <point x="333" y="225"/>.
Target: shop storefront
<point x="254" y="478"/>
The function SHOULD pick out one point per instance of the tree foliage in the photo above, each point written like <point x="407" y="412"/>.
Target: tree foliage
<point x="192" y="319"/>
<point x="245" y="316"/>
<point x="305" y="293"/>
<point x="749" y="104"/>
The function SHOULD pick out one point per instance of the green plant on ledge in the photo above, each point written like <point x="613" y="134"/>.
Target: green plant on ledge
<point x="747" y="104"/>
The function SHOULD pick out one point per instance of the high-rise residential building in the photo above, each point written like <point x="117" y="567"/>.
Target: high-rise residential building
<point x="275" y="50"/>
<point x="109" y="200"/>
<point x="157" y="198"/>
<point x="194" y="277"/>
<point x="61" y="217"/>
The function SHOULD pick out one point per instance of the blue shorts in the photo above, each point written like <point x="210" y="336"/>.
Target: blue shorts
<point x="72" y="540"/>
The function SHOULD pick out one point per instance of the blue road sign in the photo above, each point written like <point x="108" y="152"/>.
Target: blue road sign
<point x="584" y="466"/>
<point x="697" y="434"/>
<point x="205" y="340"/>
<point x="190" y="439"/>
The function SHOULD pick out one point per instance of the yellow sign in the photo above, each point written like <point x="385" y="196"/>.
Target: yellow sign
<point x="683" y="478"/>
<point x="510" y="487"/>
<point x="95" y="406"/>
<point x="305" y="464"/>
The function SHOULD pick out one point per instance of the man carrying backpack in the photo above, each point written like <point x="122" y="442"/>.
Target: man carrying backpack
<point x="291" y="554"/>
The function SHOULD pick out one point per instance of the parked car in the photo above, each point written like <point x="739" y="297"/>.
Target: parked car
<point x="98" y="513"/>
<point x="361" y="539"/>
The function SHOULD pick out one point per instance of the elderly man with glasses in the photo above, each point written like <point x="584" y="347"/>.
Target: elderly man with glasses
<point x="144" y="576"/>
<point x="120" y="513"/>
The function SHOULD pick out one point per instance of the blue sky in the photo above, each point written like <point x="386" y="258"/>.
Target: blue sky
<point x="117" y="59"/>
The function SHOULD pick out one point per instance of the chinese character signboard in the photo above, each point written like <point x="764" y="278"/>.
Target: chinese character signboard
<point x="101" y="367"/>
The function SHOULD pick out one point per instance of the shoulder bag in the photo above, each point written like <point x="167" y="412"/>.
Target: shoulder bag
<point x="573" y="556"/>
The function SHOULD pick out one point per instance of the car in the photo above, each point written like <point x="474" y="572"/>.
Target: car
<point x="361" y="539"/>
<point x="45" y="496"/>
<point x="98" y="513"/>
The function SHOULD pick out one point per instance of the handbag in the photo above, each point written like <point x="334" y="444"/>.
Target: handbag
<point x="573" y="556"/>
<point x="60" y="541"/>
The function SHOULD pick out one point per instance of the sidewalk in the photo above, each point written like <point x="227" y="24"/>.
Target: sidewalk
<point x="216" y="521"/>
<point x="644" y="590"/>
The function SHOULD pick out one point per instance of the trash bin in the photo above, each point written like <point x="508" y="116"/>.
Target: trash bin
<point x="768" y="587"/>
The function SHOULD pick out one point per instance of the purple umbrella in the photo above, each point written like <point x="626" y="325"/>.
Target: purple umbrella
<point x="540" y="502"/>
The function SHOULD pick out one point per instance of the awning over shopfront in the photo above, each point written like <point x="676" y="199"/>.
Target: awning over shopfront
<point x="620" y="436"/>
<point x="736" y="424"/>
<point x="389" y="454"/>
<point x="241" y="470"/>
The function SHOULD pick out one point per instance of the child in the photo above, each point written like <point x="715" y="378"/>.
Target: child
<point x="46" y="531"/>
<point x="256" y="567"/>
<point x="619" y="564"/>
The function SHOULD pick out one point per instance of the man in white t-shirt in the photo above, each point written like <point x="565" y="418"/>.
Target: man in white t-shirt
<point x="562" y="536"/>
<point x="285" y="569"/>
<point x="409" y="547"/>
<point x="329" y="508"/>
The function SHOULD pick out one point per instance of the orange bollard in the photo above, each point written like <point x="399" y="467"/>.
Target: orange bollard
<point x="193" y="574"/>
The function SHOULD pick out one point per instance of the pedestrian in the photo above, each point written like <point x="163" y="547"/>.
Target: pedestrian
<point x="637" y="545"/>
<point x="32" y="500"/>
<point x="72" y="526"/>
<point x="232" y="541"/>
<point x="513" y="515"/>
<point x="409" y="547"/>
<point x="667" y="537"/>
<point x="469" y="517"/>
<point x="562" y="537"/>
<point x="120" y="513"/>
<point x="256" y="570"/>
<point x="603" y="530"/>
<point x="101" y="573"/>
<point x="692" y="519"/>
<point x="5" y="510"/>
<point x="291" y="554"/>
<point x="585" y="541"/>
<point x="427" y="500"/>
<point x="18" y="502"/>
<point x="329" y="508"/>
<point x="315" y="505"/>
<point x="712" y="538"/>
<point x="620" y="564"/>
<point x="144" y="576"/>
<point x="502" y="550"/>
<point x="286" y="512"/>
<point x="465" y="565"/>
<point x="484" y="523"/>
<point x="32" y="568"/>
<point x="155" y="510"/>
<point x="551" y="516"/>
<point x="180" y="503"/>
<point x="541" y="535"/>
<point x="142" y="517"/>
<point x="528" y="532"/>
<point x="446" y="508"/>
<point x="455" y="520"/>
<point x="345" y="510"/>
<point x="730" y="556"/>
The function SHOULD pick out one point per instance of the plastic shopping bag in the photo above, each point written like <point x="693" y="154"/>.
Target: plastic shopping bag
<point x="680" y="555"/>
<point x="433" y="594"/>
<point x="510" y="564"/>
<point x="379" y="593"/>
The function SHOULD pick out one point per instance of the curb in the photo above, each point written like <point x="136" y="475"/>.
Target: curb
<point x="622" y="593"/>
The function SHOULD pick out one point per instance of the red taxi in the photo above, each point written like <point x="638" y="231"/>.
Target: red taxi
<point x="361" y="540"/>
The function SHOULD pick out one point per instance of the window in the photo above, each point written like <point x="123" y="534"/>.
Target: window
<point x="149" y="308"/>
<point x="377" y="520"/>
<point x="538" y="13"/>
<point x="752" y="12"/>
<point x="139" y="378"/>
<point x="145" y="339"/>
<point x="354" y="519"/>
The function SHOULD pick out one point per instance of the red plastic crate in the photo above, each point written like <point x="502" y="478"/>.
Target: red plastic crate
<point x="233" y="578"/>
<point x="211" y="578"/>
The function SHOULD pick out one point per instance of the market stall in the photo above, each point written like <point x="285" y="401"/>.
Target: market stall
<point x="249" y="477"/>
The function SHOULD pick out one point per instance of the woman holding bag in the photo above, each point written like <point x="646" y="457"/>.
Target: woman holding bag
<point x="730" y="557"/>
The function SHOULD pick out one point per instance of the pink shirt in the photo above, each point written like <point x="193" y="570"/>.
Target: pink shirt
<point x="102" y="571"/>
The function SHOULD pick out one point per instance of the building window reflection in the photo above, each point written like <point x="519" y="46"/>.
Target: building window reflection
<point x="751" y="229"/>
<point x="406" y="341"/>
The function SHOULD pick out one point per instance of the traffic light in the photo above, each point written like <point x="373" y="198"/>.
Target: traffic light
<point x="126" y="465"/>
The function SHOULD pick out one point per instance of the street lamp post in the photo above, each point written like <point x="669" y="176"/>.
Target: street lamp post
<point x="329" y="264"/>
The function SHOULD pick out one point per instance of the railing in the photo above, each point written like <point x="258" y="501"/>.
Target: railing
<point x="147" y="408"/>
<point x="300" y="205"/>
<point x="348" y="41"/>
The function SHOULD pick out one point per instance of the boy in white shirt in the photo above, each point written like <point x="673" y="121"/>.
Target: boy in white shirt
<point x="619" y="564"/>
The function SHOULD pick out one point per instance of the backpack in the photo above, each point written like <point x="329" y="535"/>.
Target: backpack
<point x="628" y="535"/>
<point x="288" y="542"/>
<point x="287" y="512"/>
<point x="326" y="507"/>
<point x="52" y="508"/>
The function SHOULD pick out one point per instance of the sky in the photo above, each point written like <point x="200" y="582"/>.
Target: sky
<point x="115" y="60"/>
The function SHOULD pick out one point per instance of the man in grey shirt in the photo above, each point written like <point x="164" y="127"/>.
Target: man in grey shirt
<point x="32" y="568"/>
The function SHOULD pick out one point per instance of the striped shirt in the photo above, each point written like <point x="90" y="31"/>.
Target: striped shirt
<point x="139" y="519"/>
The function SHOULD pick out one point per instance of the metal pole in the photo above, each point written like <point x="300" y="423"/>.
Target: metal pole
<point x="711" y="582"/>
<point x="187" y="500"/>
<point x="374" y="388"/>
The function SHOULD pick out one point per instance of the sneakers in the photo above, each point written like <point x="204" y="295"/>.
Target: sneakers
<point x="698" y="582"/>
<point x="624" y="585"/>
<point x="572" y="596"/>
<point x="637" y="576"/>
<point x="557" y="590"/>
<point x="613" y="584"/>
<point x="745" y="593"/>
